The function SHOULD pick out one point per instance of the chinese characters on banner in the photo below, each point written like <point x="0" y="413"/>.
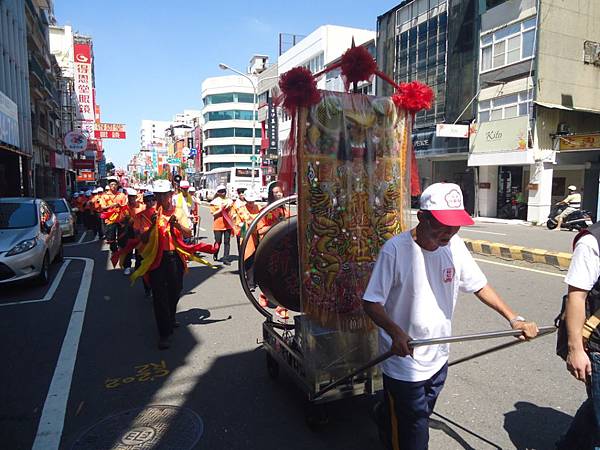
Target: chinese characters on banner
<point x="84" y="82"/>
<point x="110" y="131"/>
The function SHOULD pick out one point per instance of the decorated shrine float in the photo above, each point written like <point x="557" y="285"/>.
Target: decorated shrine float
<point x="349" y="158"/>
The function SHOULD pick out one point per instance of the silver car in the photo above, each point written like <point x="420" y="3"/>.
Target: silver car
<point x="65" y="215"/>
<point x="30" y="239"/>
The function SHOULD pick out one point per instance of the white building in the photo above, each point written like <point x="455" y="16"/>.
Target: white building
<point x="152" y="132"/>
<point x="228" y="121"/>
<point x="324" y="45"/>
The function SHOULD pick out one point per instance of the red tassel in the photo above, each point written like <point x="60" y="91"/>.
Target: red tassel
<point x="413" y="96"/>
<point x="299" y="89"/>
<point x="358" y="65"/>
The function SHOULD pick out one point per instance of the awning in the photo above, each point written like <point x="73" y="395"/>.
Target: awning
<point x="566" y="108"/>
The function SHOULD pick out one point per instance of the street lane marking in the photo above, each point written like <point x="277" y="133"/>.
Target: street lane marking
<point x="483" y="232"/>
<point x="80" y="241"/>
<point x="52" y="420"/>
<point x="50" y="292"/>
<point x="520" y="268"/>
<point x="144" y="372"/>
<point x="83" y="235"/>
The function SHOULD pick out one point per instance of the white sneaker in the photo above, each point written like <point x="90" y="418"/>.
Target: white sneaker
<point x="127" y="271"/>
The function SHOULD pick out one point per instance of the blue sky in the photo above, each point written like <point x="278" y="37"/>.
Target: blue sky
<point x="151" y="56"/>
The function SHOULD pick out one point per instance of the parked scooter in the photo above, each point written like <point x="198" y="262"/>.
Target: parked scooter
<point x="577" y="220"/>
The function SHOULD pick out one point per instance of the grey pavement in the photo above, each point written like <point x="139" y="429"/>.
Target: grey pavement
<point x="521" y="397"/>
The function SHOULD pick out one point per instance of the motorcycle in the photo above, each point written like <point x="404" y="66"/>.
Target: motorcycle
<point x="577" y="220"/>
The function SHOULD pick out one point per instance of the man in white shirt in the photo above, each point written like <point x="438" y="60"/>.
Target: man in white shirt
<point x="583" y="358"/>
<point x="411" y="295"/>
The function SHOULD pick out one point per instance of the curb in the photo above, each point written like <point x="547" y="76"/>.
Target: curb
<point x="559" y="260"/>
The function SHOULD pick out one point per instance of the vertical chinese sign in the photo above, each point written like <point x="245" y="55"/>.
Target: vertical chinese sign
<point x="84" y="86"/>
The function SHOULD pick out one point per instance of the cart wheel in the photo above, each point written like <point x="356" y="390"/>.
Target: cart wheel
<point x="317" y="416"/>
<point x="272" y="367"/>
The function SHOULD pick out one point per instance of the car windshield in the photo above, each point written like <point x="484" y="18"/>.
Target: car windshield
<point x="57" y="206"/>
<point x="17" y="215"/>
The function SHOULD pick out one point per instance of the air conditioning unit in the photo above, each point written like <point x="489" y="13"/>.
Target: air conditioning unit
<point x="591" y="53"/>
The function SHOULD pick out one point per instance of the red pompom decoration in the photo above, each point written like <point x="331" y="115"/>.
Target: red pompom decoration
<point x="299" y="89"/>
<point x="358" y="65"/>
<point x="413" y="96"/>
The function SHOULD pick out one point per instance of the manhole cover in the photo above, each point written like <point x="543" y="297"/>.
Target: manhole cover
<point x="154" y="427"/>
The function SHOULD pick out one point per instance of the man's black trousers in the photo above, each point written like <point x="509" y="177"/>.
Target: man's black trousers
<point x="166" y="282"/>
<point x="221" y="235"/>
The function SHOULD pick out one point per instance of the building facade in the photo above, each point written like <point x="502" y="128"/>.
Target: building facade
<point x="434" y="42"/>
<point x="538" y="122"/>
<point x="317" y="50"/>
<point x="229" y="117"/>
<point x="15" y="112"/>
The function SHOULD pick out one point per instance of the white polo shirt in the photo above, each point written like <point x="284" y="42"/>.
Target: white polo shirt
<point x="584" y="269"/>
<point x="418" y="289"/>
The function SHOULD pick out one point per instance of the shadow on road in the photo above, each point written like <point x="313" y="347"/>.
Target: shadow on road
<point x="197" y="316"/>
<point x="532" y="426"/>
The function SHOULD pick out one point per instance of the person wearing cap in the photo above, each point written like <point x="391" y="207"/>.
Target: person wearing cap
<point x="166" y="280"/>
<point x="126" y="231"/>
<point x="194" y="212"/>
<point x="246" y="214"/>
<point x="220" y="208"/>
<point x="142" y="223"/>
<point x="111" y="203"/>
<point x="573" y="202"/>
<point x="411" y="295"/>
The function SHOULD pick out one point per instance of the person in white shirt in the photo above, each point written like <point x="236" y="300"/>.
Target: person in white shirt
<point x="411" y="295"/>
<point x="573" y="202"/>
<point x="583" y="357"/>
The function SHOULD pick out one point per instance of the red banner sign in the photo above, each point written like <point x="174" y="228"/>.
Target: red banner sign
<point x="84" y="81"/>
<point x="110" y="131"/>
<point x="86" y="176"/>
<point x="83" y="164"/>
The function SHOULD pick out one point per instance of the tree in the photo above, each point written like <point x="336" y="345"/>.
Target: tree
<point x="110" y="167"/>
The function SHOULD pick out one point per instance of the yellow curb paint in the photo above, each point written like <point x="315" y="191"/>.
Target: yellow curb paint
<point x="561" y="260"/>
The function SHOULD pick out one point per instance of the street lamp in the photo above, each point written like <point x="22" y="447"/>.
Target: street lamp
<point x="223" y="66"/>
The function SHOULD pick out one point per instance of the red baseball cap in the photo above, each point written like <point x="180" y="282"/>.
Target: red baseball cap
<point x="445" y="201"/>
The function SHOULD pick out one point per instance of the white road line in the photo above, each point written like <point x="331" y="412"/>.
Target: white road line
<point x="50" y="292"/>
<point x="81" y="243"/>
<point x="83" y="235"/>
<point x="520" y="268"/>
<point x="483" y="232"/>
<point x="52" y="420"/>
<point x="202" y="229"/>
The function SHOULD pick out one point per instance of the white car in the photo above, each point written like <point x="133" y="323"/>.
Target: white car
<point x="65" y="215"/>
<point x="30" y="239"/>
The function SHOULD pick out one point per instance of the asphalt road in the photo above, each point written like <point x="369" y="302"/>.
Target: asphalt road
<point x="521" y="397"/>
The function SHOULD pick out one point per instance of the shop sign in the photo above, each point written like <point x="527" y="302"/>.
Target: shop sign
<point x="84" y="164"/>
<point x="452" y="130"/>
<point x="508" y="135"/>
<point x="272" y="129"/>
<point x="9" y="121"/>
<point x="86" y="176"/>
<point x="76" y="141"/>
<point x="110" y="131"/>
<point x="580" y="142"/>
<point x="84" y="82"/>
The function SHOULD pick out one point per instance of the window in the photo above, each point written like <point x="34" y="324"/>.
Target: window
<point x="230" y="97"/>
<point x="315" y="64"/>
<point x="511" y="44"/>
<point x="230" y="150"/>
<point x="228" y="115"/>
<point x="231" y="132"/>
<point x="505" y="107"/>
